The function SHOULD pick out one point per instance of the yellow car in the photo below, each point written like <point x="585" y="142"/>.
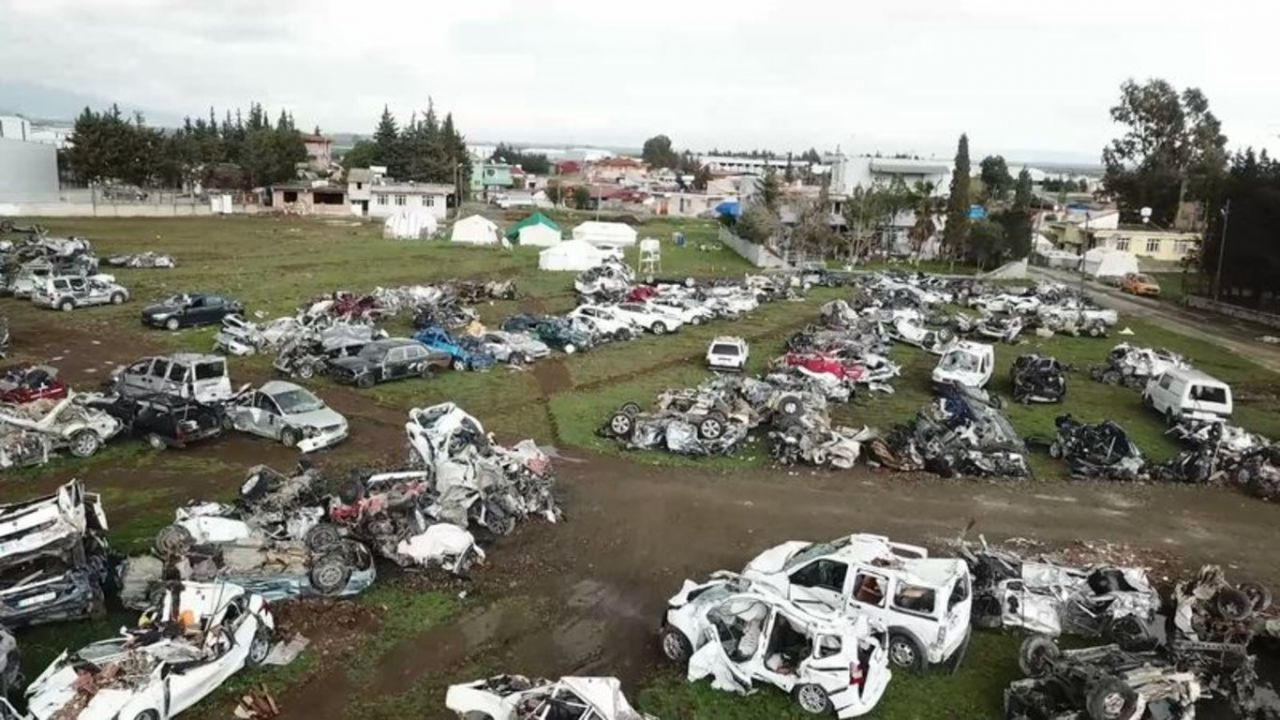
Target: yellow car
<point x="1140" y="284"/>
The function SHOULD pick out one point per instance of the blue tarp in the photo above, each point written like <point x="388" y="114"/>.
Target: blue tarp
<point x="731" y="209"/>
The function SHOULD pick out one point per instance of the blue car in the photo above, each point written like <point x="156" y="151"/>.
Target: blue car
<point x="465" y="356"/>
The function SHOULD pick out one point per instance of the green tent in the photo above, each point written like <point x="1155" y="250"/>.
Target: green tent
<point x="535" y="219"/>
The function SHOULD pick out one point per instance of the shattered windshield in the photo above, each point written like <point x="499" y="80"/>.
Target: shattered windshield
<point x="815" y="550"/>
<point x="960" y="361"/>
<point x="293" y="402"/>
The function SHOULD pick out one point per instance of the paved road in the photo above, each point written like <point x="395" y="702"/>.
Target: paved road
<point x="1230" y="333"/>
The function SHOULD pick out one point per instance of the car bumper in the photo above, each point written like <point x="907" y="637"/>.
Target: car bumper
<point x="854" y="702"/>
<point x="152" y="321"/>
<point x="324" y="439"/>
<point x="722" y="365"/>
<point x="42" y="301"/>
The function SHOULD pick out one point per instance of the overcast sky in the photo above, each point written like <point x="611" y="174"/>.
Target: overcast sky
<point x="1020" y="76"/>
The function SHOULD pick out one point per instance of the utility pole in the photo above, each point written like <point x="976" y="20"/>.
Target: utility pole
<point x="1222" y="247"/>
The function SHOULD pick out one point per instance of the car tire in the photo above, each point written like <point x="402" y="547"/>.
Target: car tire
<point x="622" y="425"/>
<point x="1035" y="654"/>
<point x="227" y="422"/>
<point x="117" y="298"/>
<point x="905" y="652"/>
<point x="259" y="647"/>
<point x="85" y="443"/>
<point x="1233" y="604"/>
<point x="476" y="715"/>
<point x="570" y="349"/>
<point x="289" y="437"/>
<point x="66" y="306"/>
<point x="1110" y="699"/>
<point x="516" y="358"/>
<point x="147" y="715"/>
<point x="156" y="442"/>
<point x="1128" y="632"/>
<point x="173" y="542"/>
<point x="712" y="427"/>
<point x="172" y="324"/>
<point x="1259" y="595"/>
<point x="658" y="328"/>
<point x="329" y="573"/>
<point x="675" y="646"/>
<point x="790" y="405"/>
<point x="501" y="525"/>
<point x="365" y="381"/>
<point x="322" y="538"/>
<point x="305" y="371"/>
<point x="812" y="699"/>
<point x="630" y="408"/>
<point x="987" y="613"/>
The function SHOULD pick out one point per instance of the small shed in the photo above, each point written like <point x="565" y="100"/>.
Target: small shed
<point x="477" y="230"/>
<point x="410" y="223"/>
<point x="1105" y="262"/>
<point x="605" y="234"/>
<point x="571" y="255"/>
<point x="537" y="230"/>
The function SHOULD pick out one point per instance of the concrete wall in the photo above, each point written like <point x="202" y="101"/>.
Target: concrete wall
<point x="757" y="255"/>
<point x="122" y="210"/>
<point x="1235" y="311"/>
<point x="28" y="171"/>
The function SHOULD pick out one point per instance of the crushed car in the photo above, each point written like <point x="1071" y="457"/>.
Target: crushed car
<point x="516" y="697"/>
<point x="462" y="355"/>
<point x="31" y="433"/>
<point x="164" y="421"/>
<point x="1132" y="366"/>
<point x="610" y="279"/>
<point x="512" y="348"/>
<point x="1038" y="378"/>
<point x="386" y="360"/>
<point x="148" y="259"/>
<point x="289" y="414"/>
<point x="1103" y="450"/>
<point x="741" y="636"/>
<point x="963" y="432"/>
<point x="966" y="364"/>
<point x="26" y="383"/>
<point x="186" y="375"/>
<point x="67" y="293"/>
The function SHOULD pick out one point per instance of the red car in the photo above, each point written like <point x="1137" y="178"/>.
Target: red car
<point x="28" y="383"/>
<point x="642" y="293"/>
<point x="825" y="365"/>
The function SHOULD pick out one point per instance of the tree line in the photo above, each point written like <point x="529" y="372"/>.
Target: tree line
<point x="426" y="149"/>
<point x="239" y="152"/>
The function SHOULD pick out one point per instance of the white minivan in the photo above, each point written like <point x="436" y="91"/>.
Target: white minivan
<point x="1185" y="392"/>
<point x="188" y="375"/>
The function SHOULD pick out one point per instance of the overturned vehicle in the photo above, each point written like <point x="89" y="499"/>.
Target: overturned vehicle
<point x="1133" y="366"/>
<point x="30" y="434"/>
<point x="1101" y="451"/>
<point x="963" y="432"/>
<point x="1038" y="378"/>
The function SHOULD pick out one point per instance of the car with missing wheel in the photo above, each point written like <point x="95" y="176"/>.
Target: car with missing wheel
<point x="925" y="603"/>
<point x="740" y="635"/>
<point x="74" y="291"/>
<point x="386" y="360"/>
<point x="289" y="414"/>
<point x="190" y="310"/>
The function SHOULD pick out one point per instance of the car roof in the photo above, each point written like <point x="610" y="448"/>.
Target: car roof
<point x="392" y="342"/>
<point x="276" y="387"/>
<point x="728" y="339"/>
<point x="976" y="348"/>
<point x="187" y="358"/>
<point x="1194" y="375"/>
<point x="878" y="553"/>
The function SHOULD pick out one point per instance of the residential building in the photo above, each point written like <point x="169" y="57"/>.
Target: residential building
<point x="682" y="204"/>
<point x="359" y="192"/>
<point x="1164" y="246"/>
<point x="490" y="176"/>
<point x="730" y="165"/>
<point x="319" y="151"/>
<point x="620" y="170"/>
<point x="316" y="198"/>
<point x="848" y="173"/>
<point x="389" y="197"/>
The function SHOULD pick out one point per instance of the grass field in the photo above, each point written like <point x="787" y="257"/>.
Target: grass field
<point x="276" y="263"/>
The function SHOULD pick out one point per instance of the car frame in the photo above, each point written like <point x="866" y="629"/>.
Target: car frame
<point x="188" y="375"/>
<point x="515" y="697"/>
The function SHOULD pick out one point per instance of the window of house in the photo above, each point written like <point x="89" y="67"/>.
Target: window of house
<point x="359" y="186"/>
<point x="291" y="196"/>
<point x="1153" y="245"/>
<point x="400" y="200"/>
<point x="1181" y="246"/>
<point x="1122" y="243"/>
<point x="382" y="199"/>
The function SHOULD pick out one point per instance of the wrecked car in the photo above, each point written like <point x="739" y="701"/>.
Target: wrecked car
<point x="728" y="353"/>
<point x="461" y="355"/>
<point x="1004" y="328"/>
<point x="924" y="602"/>
<point x="1133" y="366"/>
<point x="962" y="433"/>
<point x="146" y="259"/>
<point x="913" y="332"/>
<point x="190" y="310"/>
<point x="810" y="439"/>
<point x="648" y="317"/>
<point x="187" y="375"/>
<point x="308" y="352"/>
<point x="512" y="348"/>
<point x="10" y="667"/>
<point x="516" y="697"/>
<point x="605" y="321"/>
<point x="30" y="433"/>
<point x="703" y="430"/>
<point x="1047" y="598"/>
<point x="1076" y="321"/>
<point x="385" y="360"/>
<point x="1209" y="608"/>
<point x="612" y="278"/>
<point x="1184" y="393"/>
<point x="287" y="413"/>
<point x="195" y="638"/>
<point x="1038" y="378"/>
<point x="56" y="564"/>
<point x="27" y="383"/>
<point x="967" y="364"/>
<point x="71" y="292"/>
<point x="739" y="636"/>
<point x="1097" y="451"/>
<point x="164" y="421"/>
<point x="556" y="332"/>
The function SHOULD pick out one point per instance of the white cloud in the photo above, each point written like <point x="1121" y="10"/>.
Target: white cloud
<point x="1027" y="75"/>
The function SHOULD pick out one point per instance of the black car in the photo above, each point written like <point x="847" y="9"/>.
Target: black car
<point x="1038" y="378"/>
<point x="166" y="421"/>
<point x="389" y="359"/>
<point x="190" y="309"/>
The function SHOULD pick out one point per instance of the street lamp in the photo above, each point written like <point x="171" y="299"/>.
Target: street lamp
<point x="1222" y="247"/>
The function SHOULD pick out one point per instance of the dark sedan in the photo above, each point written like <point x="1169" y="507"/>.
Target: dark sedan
<point x="190" y="309"/>
<point x="390" y="359"/>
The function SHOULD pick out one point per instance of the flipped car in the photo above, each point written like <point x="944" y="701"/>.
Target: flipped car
<point x="192" y="641"/>
<point x="923" y="602"/>
<point x="385" y="360"/>
<point x="739" y="635"/>
<point x="512" y="348"/>
<point x="461" y="356"/>
<point x="967" y="364"/>
<point x="28" y="383"/>
<point x="190" y="310"/>
<point x="289" y="414"/>
<point x="1037" y="378"/>
<point x="1103" y="450"/>
<point x="516" y="697"/>
<point x="55" y="564"/>
<point x="70" y="292"/>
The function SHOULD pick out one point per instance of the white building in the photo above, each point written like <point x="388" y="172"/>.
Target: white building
<point x="16" y="127"/>
<point x="748" y="166"/>
<point x="848" y="173"/>
<point x="385" y="199"/>
<point x="28" y="170"/>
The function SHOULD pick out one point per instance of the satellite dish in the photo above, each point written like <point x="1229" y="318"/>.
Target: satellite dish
<point x="1145" y="212"/>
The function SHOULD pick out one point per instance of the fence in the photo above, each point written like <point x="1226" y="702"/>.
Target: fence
<point x="132" y="203"/>
<point x="758" y="255"/>
<point x="1235" y="311"/>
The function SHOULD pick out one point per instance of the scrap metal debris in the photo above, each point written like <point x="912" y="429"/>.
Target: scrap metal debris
<point x="1038" y="378"/>
<point x="1101" y="451"/>
<point x="30" y="434"/>
<point x="1132" y="366"/>
<point x="963" y="432"/>
<point x="142" y="260"/>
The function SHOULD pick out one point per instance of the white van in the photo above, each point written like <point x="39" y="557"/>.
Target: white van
<point x="1185" y="392"/>
<point x="187" y="375"/>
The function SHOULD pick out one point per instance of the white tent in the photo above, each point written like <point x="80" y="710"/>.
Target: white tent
<point x="572" y="255"/>
<point x="1106" y="262"/>
<point x="539" y="235"/>
<point x="605" y="234"/>
<point x="411" y="223"/>
<point x="477" y="230"/>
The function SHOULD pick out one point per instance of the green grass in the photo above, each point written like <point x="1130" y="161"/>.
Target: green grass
<point x="973" y="693"/>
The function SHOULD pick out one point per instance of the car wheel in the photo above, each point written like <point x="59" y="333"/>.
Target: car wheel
<point x="305" y="371"/>
<point x="1036" y="653"/>
<point x="322" y="537"/>
<point x="66" y="306"/>
<point x="711" y="427"/>
<point x="630" y="408"/>
<point x="227" y="422"/>
<point x="1128" y="632"/>
<point x="172" y="323"/>
<point x="905" y="652"/>
<point x="458" y="363"/>
<point x="1232" y="604"/>
<point x="156" y="442"/>
<point x="289" y="437"/>
<point x="501" y="525"/>
<point x="675" y="645"/>
<point x="570" y="349"/>
<point x="658" y="328"/>
<point x="147" y="715"/>
<point x="1259" y="595"/>
<point x="117" y="298"/>
<point x="622" y="335"/>
<point x="515" y="358"/>
<point x="365" y="381"/>
<point x="425" y="373"/>
<point x="790" y="405"/>
<point x="812" y="699"/>
<point x="173" y="542"/>
<point x="259" y="647"/>
<point x="476" y="715"/>
<point x="330" y="573"/>
<point x="622" y="425"/>
<point x="1111" y="699"/>
<point x="85" y="443"/>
